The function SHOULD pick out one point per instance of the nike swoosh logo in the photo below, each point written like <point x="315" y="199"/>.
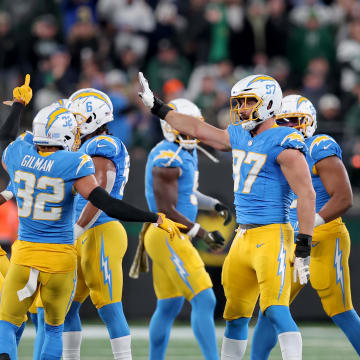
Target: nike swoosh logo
<point x="315" y="244"/>
<point x="83" y="241"/>
<point x="259" y="245"/>
<point x="327" y="146"/>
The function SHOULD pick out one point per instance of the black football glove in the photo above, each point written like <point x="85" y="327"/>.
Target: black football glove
<point x="224" y="211"/>
<point x="214" y="240"/>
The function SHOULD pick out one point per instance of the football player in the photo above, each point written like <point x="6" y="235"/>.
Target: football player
<point x="43" y="259"/>
<point x="22" y="95"/>
<point x="329" y="267"/>
<point x="171" y="181"/>
<point x="268" y="161"/>
<point x="101" y="240"/>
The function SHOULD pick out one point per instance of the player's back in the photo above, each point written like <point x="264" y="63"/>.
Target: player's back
<point x="109" y="147"/>
<point x="42" y="184"/>
<point x="262" y="193"/>
<point x="165" y="154"/>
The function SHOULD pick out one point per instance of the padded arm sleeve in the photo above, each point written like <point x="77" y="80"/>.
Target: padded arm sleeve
<point x="11" y="126"/>
<point x="119" y="209"/>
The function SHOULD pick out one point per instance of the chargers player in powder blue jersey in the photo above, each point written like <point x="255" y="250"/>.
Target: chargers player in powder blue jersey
<point x="171" y="182"/>
<point x="101" y="240"/>
<point x="266" y="160"/>
<point x="329" y="268"/>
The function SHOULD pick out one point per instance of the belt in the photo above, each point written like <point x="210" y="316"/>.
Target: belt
<point x="249" y="226"/>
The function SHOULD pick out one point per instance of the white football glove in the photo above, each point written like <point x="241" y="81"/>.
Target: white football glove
<point x="146" y="94"/>
<point x="301" y="269"/>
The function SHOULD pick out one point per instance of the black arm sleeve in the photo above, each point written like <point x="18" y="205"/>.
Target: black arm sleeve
<point x="10" y="128"/>
<point x="119" y="209"/>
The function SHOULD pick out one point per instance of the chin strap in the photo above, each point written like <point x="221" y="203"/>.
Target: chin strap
<point x="205" y="152"/>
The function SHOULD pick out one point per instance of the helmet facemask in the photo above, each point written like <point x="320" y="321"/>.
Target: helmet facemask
<point x="240" y="103"/>
<point x="299" y="121"/>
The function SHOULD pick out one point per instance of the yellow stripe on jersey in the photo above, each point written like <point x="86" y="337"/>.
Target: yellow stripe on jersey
<point x="293" y="136"/>
<point x="84" y="159"/>
<point x="166" y="154"/>
<point x="318" y="140"/>
<point x="50" y="258"/>
<point x="107" y="138"/>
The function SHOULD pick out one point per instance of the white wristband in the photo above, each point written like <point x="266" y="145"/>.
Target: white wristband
<point x="194" y="230"/>
<point x="318" y="220"/>
<point x="78" y="231"/>
<point x="7" y="195"/>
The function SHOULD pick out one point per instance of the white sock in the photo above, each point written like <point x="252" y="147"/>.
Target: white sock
<point x="233" y="349"/>
<point x="71" y="345"/>
<point x="290" y="345"/>
<point x="121" y="347"/>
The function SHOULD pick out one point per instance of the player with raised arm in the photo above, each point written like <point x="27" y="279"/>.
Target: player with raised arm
<point x="101" y="240"/>
<point x="171" y="181"/>
<point x="43" y="177"/>
<point x="268" y="161"/>
<point x="329" y="267"/>
<point x="21" y="97"/>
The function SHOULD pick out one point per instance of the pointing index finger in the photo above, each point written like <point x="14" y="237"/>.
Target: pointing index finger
<point x="27" y="80"/>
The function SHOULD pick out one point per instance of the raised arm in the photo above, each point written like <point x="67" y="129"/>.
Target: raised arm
<point x="335" y="179"/>
<point x="185" y="124"/>
<point x="21" y="97"/>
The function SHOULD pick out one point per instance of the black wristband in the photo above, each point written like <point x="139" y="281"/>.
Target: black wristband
<point x="303" y="245"/>
<point x="119" y="209"/>
<point x="160" y="109"/>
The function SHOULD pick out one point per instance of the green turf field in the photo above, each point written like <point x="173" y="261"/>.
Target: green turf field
<point x="320" y="343"/>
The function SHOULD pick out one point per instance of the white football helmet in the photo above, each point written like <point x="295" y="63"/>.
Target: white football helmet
<point x="265" y="90"/>
<point x="92" y="108"/>
<point x="298" y="112"/>
<point x="56" y="126"/>
<point x="63" y="103"/>
<point x="186" y="107"/>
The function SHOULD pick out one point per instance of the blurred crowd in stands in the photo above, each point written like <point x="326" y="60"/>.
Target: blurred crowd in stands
<point x="190" y="48"/>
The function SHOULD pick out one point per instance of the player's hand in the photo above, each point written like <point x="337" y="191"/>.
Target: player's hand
<point x="146" y="94"/>
<point x="301" y="269"/>
<point x="214" y="240"/>
<point x="156" y="105"/>
<point x="224" y="211"/>
<point x="170" y="226"/>
<point x="22" y="94"/>
<point x="302" y="258"/>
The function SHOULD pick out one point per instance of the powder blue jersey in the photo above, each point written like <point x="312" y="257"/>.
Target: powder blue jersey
<point x="320" y="147"/>
<point x="42" y="185"/>
<point x="109" y="147"/>
<point x="262" y="194"/>
<point x="187" y="161"/>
